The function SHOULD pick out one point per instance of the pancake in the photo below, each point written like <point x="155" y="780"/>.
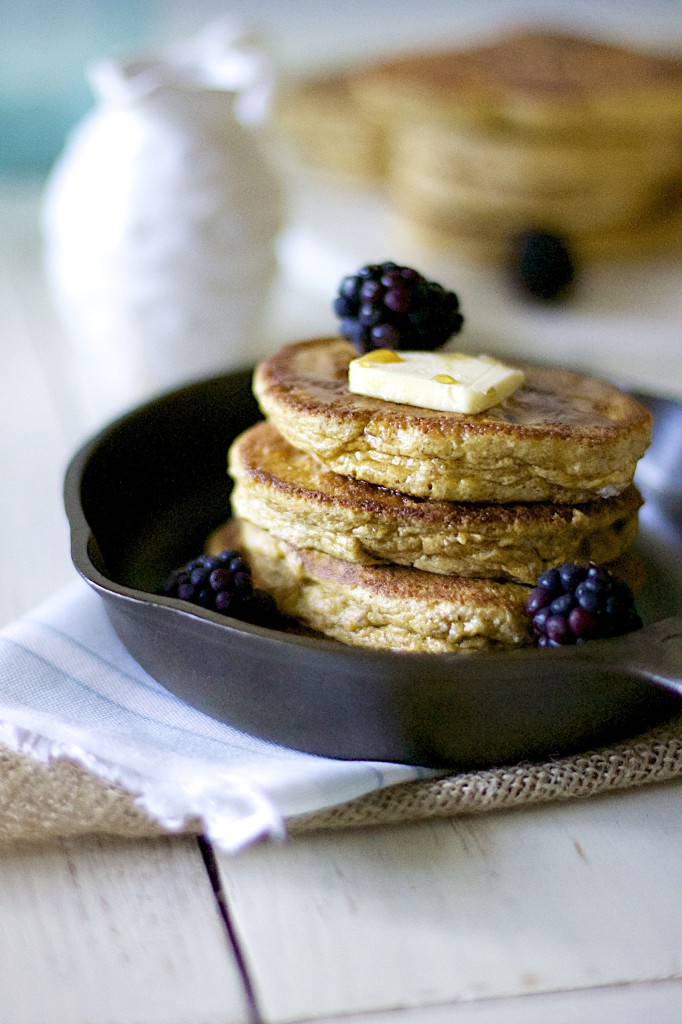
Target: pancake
<point x="536" y="82"/>
<point x="659" y="230"/>
<point x="438" y="227"/>
<point x="487" y="207"/>
<point x="525" y="166"/>
<point x="292" y="495"/>
<point x="562" y="437"/>
<point x="384" y="607"/>
<point x="322" y="124"/>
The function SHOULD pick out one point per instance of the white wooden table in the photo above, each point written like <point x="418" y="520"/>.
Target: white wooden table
<point x="566" y="913"/>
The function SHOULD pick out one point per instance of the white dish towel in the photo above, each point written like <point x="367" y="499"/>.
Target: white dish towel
<point x="69" y="689"/>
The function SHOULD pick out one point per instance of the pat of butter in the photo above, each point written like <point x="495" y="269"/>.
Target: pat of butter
<point x="445" y="381"/>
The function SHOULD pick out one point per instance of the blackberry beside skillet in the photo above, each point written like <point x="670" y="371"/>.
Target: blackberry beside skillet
<point x="221" y="583"/>
<point x="575" y="603"/>
<point x="384" y="305"/>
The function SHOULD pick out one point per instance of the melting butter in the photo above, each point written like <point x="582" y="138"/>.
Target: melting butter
<point x="444" y="381"/>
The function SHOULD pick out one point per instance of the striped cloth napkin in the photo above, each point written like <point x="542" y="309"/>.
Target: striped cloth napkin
<point x="69" y="689"/>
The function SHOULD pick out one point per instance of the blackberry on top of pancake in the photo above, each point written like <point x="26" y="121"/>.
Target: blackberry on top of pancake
<point x="561" y="436"/>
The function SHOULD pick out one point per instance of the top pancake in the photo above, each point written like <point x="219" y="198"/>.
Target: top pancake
<point x="562" y="437"/>
<point x="531" y="80"/>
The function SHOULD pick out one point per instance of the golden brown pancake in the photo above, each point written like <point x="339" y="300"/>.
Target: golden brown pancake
<point x="563" y="436"/>
<point x="320" y="121"/>
<point x="439" y="226"/>
<point x="292" y="495"/>
<point x="385" y="607"/>
<point x="536" y="81"/>
<point x="542" y="167"/>
<point x="476" y="205"/>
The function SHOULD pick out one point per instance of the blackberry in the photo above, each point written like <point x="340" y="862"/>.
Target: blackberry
<point x="384" y="305"/>
<point x="543" y="265"/>
<point x="575" y="603"/>
<point x="222" y="583"/>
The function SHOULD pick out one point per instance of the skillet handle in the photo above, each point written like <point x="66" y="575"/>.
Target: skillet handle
<point x="654" y="654"/>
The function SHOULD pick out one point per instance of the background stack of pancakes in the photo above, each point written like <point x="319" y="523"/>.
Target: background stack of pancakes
<point x="398" y="527"/>
<point x="532" y="131"/>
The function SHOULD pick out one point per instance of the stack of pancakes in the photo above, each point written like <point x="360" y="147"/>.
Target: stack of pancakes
<point x="532" y="131"/>
<point x="535" y="130"/>
<point x="398" y="527"/>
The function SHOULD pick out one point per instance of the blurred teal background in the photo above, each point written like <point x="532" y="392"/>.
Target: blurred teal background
<point x="45" y="49"/>
<point x="46" y="45"/>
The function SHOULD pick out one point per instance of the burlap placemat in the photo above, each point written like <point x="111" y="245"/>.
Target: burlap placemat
<point x="41" y="801"/>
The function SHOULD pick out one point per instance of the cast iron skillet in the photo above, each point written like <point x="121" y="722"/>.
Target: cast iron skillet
<point x="142" y="496"/>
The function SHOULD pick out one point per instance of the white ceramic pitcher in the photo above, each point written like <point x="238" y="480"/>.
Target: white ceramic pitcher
<point x="161" y="217"/>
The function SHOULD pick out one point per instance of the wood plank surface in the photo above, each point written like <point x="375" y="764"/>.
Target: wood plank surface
<point x="570" y="896"/>
<point x="623" y="1004"/>
<point x="107" y="932"/>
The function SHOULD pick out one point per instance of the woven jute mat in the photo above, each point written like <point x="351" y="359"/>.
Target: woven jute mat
<point x="40" y="801"/>
<point x="653" y="757"/>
